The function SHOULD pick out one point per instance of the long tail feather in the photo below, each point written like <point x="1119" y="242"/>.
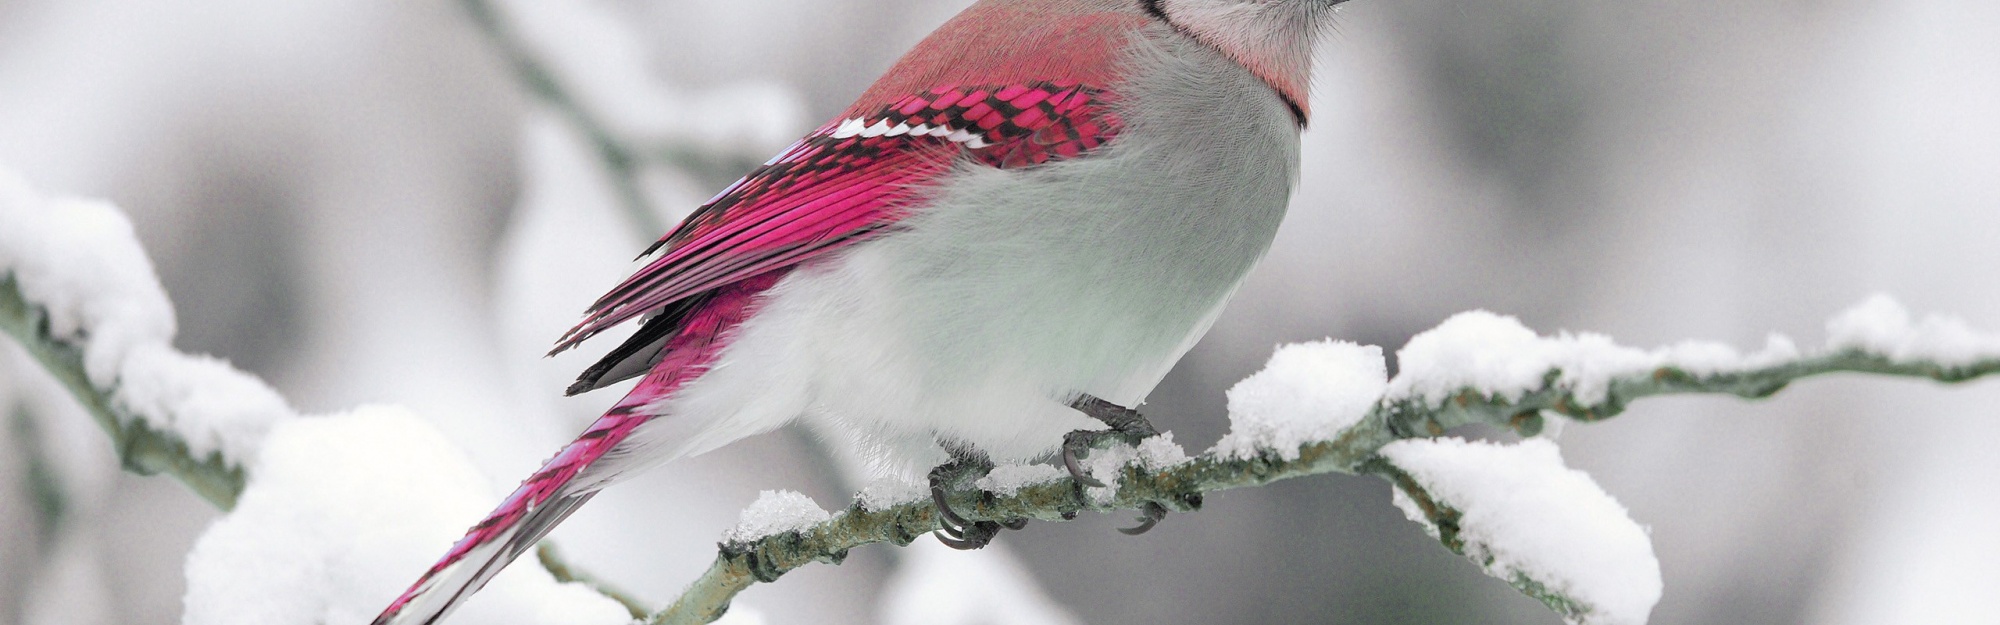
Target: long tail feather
<point x="677" y="350"/>
<point x="541" y="502"/>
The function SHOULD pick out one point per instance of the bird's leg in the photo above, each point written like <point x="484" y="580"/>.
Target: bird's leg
<point x="1122" y="420"/>
<point x="1128" y="426"/>
<point x="959" y="533"/>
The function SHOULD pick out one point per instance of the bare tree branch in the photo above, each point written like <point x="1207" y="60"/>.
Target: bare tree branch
<point x="51" y="504"/>
<point x="551" y="559"/>
<point x="618" y="159"/>
<point x="623" y="159"/>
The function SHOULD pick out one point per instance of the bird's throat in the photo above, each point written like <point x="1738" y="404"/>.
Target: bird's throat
<point x="1273" y="40"/>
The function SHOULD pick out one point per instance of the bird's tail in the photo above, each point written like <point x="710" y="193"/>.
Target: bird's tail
<point x="542" y="501"/>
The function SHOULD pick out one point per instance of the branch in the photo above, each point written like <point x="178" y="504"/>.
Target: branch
<point x="567" y="573"/>
<point x="51" y="504"/>
<point x="1341" y="415"/>
<point x="618" y="159"/>
<point x="623" y="158"/>
<point x="1354" y="451"/>
<point x="146" y="450"/>
<point x="141" y="448"/>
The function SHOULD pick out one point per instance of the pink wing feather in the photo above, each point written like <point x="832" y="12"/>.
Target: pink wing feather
<point x="844" y="183"/>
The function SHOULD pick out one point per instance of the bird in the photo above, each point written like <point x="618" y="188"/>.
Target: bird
<point x="1002" y="245"/>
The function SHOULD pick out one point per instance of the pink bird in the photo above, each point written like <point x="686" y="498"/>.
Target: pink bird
<point x="1013" y="234"/>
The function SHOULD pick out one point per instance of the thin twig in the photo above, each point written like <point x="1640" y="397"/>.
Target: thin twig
<point x="565" y="572"/>
<point x="623" y="158"/>
<point x="51" y="505"/>
<point x="1181" y="486"/>
<point x="618" y="159"/>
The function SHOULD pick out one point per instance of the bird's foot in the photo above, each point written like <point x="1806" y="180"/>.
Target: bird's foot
<point x="959" y="533"/>
<point x="1127" y="426"/>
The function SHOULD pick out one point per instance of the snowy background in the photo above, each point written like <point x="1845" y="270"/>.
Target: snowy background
<point x="356" y="201"/>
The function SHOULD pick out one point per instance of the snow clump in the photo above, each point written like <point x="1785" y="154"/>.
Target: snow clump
<point x="341" y="512"/>
<point x="1307" y="392"/>
<point x="1497" y="356"/>
<point x="1524" y="517"/>
<point x="80" y="263"/>
<point x="776" y="512"/>
<point x="1008" y="479"/>
<point x="1881" y="326"/>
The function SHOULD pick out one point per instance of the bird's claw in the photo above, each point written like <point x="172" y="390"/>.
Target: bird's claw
<point x="1126" y="425"/>
<point x="1076" y="445"/>
<point x="958" y="532"/>
<point x="969" y="537"/>
<point x="1122" y="420"/>
<point x="940" y="477"/>
<point x="1149" y="516"/>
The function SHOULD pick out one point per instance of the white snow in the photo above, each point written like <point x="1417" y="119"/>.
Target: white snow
<point x="1499" y="357"/>
<point x="210" y="404"/>
<point x="1525" y="515"/>
<point x="1008" y="479"/>
<point x="1881" y="326"/>
<point x="1160" y="452"/>
<point x="1108" y="464"/>
<point x="1706" y="357"/>
<point x="343" y="512"/>
<point x="776" y="512"/>
<point x="1307" y="392"/>
<point x="890" y="491"/>
<point x="81" y="263"/>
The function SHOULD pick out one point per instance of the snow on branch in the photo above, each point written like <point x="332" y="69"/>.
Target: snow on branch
<point x="1324" y="408"/>
<point x="78" y="292"/>
<point x="351" y="505"/>
<point x="1548" y="530"/>
<point x="368" y="496"/>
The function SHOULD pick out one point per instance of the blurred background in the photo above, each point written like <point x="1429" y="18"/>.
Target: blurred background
<point x="363" y="201"/>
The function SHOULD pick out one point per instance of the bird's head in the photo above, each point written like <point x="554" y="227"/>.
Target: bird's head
<point x="1273" y="38"/>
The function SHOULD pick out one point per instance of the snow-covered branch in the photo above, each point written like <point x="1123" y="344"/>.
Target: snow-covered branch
<point x="78" y="293"/>
<point x="143" y="448"/>
<point x="368" y="495"/>
<point x="371" y="494"/>
<point x="1326" y="408"/>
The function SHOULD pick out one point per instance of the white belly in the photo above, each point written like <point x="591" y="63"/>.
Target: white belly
<point x="1011" y="291"/>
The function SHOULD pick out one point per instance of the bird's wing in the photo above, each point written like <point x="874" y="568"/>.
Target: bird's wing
<point x="846" y="182"/>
